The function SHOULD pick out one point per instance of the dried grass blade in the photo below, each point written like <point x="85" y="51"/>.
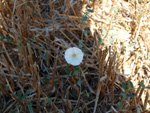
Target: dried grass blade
<point x="54" y="73"/>
<point x="61" y="89"/>
<point x="97" y="96"/>
<point x="3" y="90"/>
<point x="140" y="94"/>
<point x="146" y="100"/>
<point x="87" y="84"/>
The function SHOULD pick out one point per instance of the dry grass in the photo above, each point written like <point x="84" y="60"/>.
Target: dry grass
<point x="34" y="36"/>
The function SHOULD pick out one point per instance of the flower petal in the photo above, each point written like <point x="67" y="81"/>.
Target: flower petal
<point x="74" y="60"/>
<point x="68" y="51"/>
<point x="68" y="58"/>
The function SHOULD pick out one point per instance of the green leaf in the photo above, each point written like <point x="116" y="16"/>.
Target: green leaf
<point x="142" y="84"/>
<point x="76" y="72"/>
<point x="2" y="37"/>
<point x="124" y="95"/>
<point x="19" y="44"/>
<point x="84" y="49"/>
<point x="84" y="18"/>
<point x="9" y="39"/>
<point x="36" y="14"/>
<point x="46" y="51"/>
<point x="85" y="72"/>
<point x="130" y="84"/>
<point x="27" y="93"/>
<point x="50" y="99"/>
<point x="138" y="53"/>
<point x="19" y="95"/>
<point x="124" y="86"/>
<point x="14" y="93"/>
<point x="86" y="31"/>
<point x="112" y="27"/>
<point x="90" y="10"/>
<point x="7" y="87"/>
<point x="46" y="69"/>
<point x="112" y="40"/>
<point x="123" y="47"/>
<point x="3" y="52"/>
<point x="28" y="4"/>
<point x="80" y="46"/>
<point x="28" y="40"/>
<point x="130" y="95"/>
<point x="46" y="77"/>
<point x="76" y="68"/>
<point x="76" y="111"/>
<point x="87" y="94"/>
<point x="115" y="11"/>
<point x="100" y="40"/>
<point x="43" y="56"/>
<point x="148" y="55"/>
<point x="81" y="41"/>
<point x="68" y="71"/>
<point x="79" y="82"/>
<point x="104" y="32"/>
<point x="119" y="104"/>
<point x="132" y="44"/>
<point x="30" y="107"/>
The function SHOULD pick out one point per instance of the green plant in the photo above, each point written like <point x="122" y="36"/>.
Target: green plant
<point x="129" y="93"/>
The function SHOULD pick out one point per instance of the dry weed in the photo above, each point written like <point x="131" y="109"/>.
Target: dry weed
<point x="34" y="36"/>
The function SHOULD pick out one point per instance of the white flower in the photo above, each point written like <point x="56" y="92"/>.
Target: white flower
<point x="73" y="56"/>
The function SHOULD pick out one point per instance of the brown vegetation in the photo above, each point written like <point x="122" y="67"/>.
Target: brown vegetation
<point x="34" y="76"/>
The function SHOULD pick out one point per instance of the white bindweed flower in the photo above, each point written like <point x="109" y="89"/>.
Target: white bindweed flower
<point x="73" y="56"/>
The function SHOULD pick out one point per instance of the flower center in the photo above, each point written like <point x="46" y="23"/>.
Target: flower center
<point x="74" y="55"/>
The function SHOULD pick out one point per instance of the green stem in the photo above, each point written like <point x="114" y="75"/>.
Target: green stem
<point x="80" y="69"/>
